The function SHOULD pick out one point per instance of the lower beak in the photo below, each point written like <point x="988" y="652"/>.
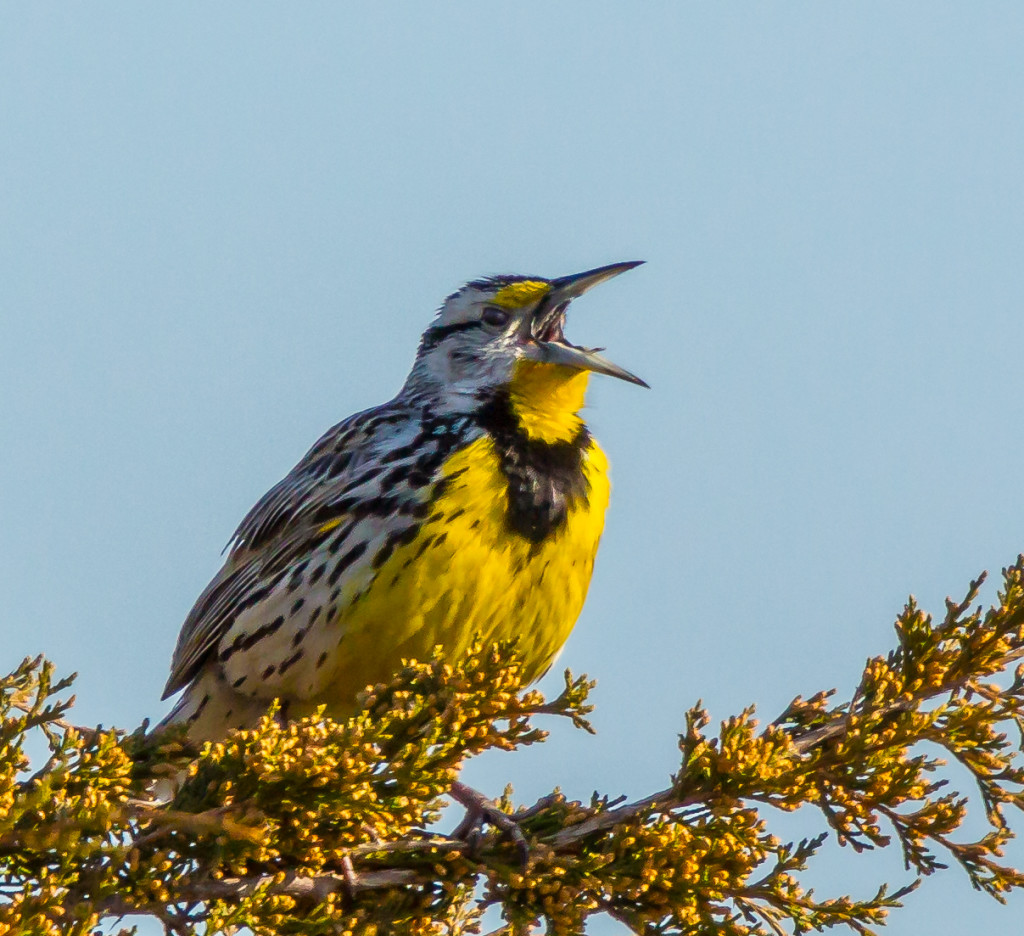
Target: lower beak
<point x="557" y="352"/>
<point x="563" y="290"/>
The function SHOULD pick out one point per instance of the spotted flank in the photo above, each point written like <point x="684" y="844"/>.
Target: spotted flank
<point x="472" y="503"/>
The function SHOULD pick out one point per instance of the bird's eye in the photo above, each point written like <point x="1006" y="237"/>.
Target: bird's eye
<point x="492" y="315"/>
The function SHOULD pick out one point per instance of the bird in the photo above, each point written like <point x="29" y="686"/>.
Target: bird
<point x="469" y="506"/>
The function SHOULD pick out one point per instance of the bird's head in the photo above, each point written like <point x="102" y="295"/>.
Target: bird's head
<point x="505" y="334"/>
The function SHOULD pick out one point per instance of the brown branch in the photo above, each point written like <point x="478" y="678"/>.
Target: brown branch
<point x="41" y="718"/>
<point x="664" y="801"/>
<point x="314" y="888"/>
<point x="669" y="799"/>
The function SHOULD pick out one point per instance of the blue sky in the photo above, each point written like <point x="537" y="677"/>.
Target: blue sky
<point x="224" y="228"/>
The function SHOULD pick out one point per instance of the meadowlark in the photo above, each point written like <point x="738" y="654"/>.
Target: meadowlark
<point x="471" y="504"/>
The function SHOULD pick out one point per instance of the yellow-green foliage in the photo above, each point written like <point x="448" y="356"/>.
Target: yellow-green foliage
<point x="318" y="826"/>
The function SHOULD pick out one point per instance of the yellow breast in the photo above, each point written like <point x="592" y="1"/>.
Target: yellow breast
<point x="467" y="573"/>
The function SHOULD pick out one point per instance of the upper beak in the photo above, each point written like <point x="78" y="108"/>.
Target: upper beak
<point x="559" y="351"/>
<point x="571" y="287"/>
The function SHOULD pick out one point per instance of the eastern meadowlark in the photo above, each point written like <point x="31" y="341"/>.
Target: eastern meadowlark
<point x="470" y="504"/>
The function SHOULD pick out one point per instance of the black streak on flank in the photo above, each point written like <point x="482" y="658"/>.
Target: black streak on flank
<point x="395" y="476"/>
<point x="244" y="641"/>
<point x="420" y="550"/>
<point x="544" y="479"/>
<point x="199" y="710"/>
<point x="296" y="580"/>
<point x="400" y="538"/>
<point x="345" y="561"/>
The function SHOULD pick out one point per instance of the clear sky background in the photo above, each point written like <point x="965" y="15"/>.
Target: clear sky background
<point x="225" y="226"/>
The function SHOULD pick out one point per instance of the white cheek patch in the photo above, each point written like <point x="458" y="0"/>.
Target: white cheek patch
<point x="440" y="365"/>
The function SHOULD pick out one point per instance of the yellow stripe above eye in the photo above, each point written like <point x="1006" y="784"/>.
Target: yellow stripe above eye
<point x="330" y="525"/>
<point x="524" y="293"/>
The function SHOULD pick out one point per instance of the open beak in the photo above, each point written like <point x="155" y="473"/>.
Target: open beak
<point x="549" y="345"/>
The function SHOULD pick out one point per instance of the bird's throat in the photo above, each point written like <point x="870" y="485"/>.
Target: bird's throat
<point x="546" y="400"/>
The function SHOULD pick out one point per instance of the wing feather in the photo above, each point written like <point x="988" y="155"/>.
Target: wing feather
<point x="285" y="524"/>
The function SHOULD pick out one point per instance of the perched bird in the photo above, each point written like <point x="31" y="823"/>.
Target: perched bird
<point x="472" y="503"/>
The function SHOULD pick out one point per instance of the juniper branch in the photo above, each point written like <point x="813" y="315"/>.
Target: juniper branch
<point x="325" y="822"/>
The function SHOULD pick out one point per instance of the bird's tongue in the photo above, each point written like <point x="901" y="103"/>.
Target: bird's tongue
<point x="550" y="326"/>
<point x="553" y="332"/>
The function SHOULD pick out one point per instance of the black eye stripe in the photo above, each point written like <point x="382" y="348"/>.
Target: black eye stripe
<point x="434" y="335"/>
<point x="443" y="331"/>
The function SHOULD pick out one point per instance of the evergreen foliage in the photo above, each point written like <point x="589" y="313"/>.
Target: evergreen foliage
<point x="321" y="827"/>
